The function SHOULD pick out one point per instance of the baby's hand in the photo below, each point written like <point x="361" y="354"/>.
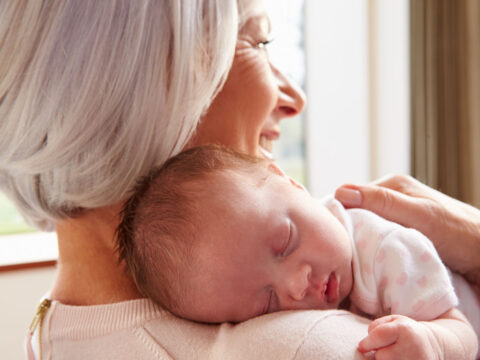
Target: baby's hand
<point x="400" y="337"/>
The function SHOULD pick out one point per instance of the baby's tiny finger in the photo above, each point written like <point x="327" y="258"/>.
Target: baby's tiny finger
<point x="383" y="335"/>
<point x="380" y="321"/>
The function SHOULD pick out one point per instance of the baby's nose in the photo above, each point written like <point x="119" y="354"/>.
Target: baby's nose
<point x="299" y="282"/>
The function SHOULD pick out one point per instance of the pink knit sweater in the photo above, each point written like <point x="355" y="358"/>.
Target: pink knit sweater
<point x="138" y="329"/>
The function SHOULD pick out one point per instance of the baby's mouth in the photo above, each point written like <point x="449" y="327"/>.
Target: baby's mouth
<point x="331" y="289"/>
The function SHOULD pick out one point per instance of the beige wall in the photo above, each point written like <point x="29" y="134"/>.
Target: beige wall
<point x="20" y="293"/>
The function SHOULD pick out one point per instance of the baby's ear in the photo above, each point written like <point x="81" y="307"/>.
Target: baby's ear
<point x="277" y="170"/>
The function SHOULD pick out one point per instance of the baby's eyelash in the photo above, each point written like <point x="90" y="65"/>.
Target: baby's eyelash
<point x="288" y="240"/>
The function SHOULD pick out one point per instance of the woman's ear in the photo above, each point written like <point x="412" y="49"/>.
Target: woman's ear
<point x="278" y="171"/>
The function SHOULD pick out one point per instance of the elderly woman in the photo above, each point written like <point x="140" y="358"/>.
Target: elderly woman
<point x="93" y="94"/>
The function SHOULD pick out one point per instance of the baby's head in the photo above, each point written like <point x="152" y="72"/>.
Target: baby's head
<point x="216" y="236"/>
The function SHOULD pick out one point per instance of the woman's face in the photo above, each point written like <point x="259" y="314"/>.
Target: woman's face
<point x="246" y="113"/>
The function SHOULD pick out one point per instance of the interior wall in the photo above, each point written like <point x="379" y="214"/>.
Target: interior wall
<point x="358" y="89"/>
<point x="21" y="291"/>
<point x="337" y="114"/>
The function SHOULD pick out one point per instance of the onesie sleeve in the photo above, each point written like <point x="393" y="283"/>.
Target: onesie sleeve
<point x="410" y="276"/>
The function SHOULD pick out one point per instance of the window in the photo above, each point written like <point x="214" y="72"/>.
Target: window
<point x="10" y="220"/>
<point x="287" y="53"/>
<point x="357" y="83"/>
<point x="20" y="246"/>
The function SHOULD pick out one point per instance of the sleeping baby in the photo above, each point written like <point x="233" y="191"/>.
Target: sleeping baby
<point x="216" y="236"/>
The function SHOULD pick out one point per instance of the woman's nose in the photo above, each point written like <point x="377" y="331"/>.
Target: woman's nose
<point x="291" y="100"/>
<point x="298" y="282"/>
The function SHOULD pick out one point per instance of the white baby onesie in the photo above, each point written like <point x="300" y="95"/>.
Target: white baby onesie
<point x="396" y="270"/>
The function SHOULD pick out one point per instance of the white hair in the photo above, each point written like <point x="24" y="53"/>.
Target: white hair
<point x="93" y="94"/>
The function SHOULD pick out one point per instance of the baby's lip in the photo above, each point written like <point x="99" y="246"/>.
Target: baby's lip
<point x="330" y="289"/>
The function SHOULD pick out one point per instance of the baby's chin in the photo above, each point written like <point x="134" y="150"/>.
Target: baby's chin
<point x="206" y="316"/>
<point x="192" y="316"/>
<point x="344" y="304"/>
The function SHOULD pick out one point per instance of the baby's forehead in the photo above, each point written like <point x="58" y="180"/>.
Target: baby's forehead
<point x="214" y="184"/>
<point x="221" y="207"/>
<point x="252" y="175"/>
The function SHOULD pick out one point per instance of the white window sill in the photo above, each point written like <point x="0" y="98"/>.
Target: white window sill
<point x="28" y="248"/>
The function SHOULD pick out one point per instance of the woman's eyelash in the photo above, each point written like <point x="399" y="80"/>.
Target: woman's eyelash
<point x="263" y="44"/>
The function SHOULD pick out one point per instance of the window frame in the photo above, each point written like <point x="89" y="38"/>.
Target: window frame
<point x="28" y="250"/>
<point x="357" y="122"/>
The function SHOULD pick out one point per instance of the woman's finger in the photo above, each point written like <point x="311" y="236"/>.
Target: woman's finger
<point x="396" y="182"/>
<point x="389" y="204"/>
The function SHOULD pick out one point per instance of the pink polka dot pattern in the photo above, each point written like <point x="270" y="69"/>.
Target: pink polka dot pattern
<point x="367" y="268"/>
<point x="362" y="244"/>
<point x="383" y="283"/>
<point x="422" y="282"/>
<point x="387" y="301"/>
<point x="381" y="256"/>
<point x="395" y="305"/>
<point x="418" y="306"/>
<point x="396" y="270"/>
<point x="404" y="252"/>
<point x="426" y="256"/>
<point x="402" y="279"/>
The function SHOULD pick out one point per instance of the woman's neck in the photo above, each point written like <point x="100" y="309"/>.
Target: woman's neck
<point x="88" y="269"/>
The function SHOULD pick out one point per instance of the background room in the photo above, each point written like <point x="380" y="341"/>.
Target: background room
<point x="392" y="87"/>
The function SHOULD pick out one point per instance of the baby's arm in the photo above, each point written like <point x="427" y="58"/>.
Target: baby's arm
<point x="449" y="336"/>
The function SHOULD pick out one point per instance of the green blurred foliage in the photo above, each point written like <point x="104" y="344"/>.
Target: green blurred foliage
<point x="10" y="220"/>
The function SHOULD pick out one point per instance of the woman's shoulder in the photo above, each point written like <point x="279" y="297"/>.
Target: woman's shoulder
<point x="139" y="329"/>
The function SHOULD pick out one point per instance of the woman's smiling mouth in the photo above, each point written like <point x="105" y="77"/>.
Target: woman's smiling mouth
<point x="266" y="143"/>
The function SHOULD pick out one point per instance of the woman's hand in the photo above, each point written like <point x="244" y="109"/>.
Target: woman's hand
<point x="453" y="226"/>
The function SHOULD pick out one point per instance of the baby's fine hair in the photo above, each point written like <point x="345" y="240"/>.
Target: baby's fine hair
<point x="160" y="222"/>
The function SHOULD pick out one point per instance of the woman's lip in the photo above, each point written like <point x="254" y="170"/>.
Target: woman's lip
<point x="270" y="135"/>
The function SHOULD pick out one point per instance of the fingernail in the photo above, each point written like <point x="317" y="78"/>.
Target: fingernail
<point x="349" y="197"/>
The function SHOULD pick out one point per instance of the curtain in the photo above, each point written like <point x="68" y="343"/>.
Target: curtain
<point x="445" y="80"/>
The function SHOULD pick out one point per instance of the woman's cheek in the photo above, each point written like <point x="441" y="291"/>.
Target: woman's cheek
<point x="255" y="71"/>
<point x="261" y="90"/>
